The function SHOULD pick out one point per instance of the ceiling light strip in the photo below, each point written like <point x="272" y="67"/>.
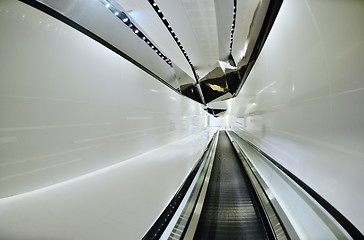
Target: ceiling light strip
<point x="168" y="26"/>
<point x="232" y="28"/>
<point x="126" y="20"/>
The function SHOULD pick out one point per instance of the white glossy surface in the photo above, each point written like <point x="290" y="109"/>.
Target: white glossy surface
<point x="310" y="220"/>
<point x="244" y="18"/>
<point x="194" y="22"/>
<point x="119" y="202"/>
<point x="95" y="17"/>
<point x="69" y="106"/>
<point x="144" y="15"/>
<point x="91" y="146"/>
<point x="302" y="103"/>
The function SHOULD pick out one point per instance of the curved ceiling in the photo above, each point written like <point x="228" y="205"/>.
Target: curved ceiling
<point x="200" y="37"/>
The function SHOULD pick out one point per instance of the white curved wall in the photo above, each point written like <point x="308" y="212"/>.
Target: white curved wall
<point x="91" y="147"/>
<point x="303" y="101"/>
<point x="70" y="106"/>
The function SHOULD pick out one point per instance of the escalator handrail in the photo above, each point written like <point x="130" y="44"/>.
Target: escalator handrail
<point x="160" y="224"/>
<point x="353" y="231"/>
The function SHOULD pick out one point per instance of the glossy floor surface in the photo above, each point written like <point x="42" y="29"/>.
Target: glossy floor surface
<point x="229" y="210"/>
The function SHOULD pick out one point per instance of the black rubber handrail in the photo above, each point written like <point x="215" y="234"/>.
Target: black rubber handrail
<point x="339" y="217"/>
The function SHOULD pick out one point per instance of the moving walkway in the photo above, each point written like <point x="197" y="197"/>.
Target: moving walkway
<point x="235" y="191"/>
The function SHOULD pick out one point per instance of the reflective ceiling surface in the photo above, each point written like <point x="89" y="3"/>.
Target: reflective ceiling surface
<point x="200" y="48"/>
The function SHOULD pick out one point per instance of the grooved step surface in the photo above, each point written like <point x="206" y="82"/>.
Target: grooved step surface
<point x="229" y="211"/>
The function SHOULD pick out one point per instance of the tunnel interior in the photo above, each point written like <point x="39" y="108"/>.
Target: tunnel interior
<point x="108" y="106"/>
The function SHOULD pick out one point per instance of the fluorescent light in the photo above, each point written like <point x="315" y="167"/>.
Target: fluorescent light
<point x="116" y="13"/>
<point x="107" y="5"/>
<point x="125" y="19"/>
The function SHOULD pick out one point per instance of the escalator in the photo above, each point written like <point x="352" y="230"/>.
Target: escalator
<point x="230" y="209"/>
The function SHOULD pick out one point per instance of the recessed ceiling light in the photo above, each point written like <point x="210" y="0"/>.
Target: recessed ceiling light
<point x="127" y="21"/>
<point x="174" y="36"/>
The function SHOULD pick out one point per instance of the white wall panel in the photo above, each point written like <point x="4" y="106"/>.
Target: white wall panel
<point x="70" y="106"/>
<point x="302" y="103"/>
<point x="117" y="202"/>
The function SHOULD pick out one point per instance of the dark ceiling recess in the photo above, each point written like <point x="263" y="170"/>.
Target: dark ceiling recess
<point x="214" y="88"/>
<point x="169" y="27"/>
<point x="191" y="91"/>
<point x="126" y="20"/>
